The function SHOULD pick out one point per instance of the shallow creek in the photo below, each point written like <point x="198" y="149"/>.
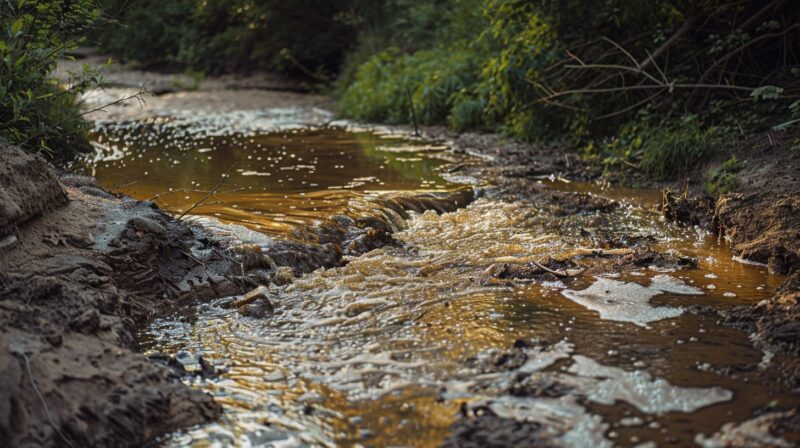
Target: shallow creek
<point x="385" y="350"/>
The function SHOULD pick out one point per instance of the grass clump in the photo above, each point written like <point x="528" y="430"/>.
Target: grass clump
<point x="722" y="179"/>
<point x="677" y="148"/>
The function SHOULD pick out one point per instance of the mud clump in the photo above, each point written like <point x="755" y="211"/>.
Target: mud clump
<point x="762" y="227"/>
<point x="775" y="322"/>
<point x="687" y="210"/>
<point x="482" y="428"/>
<point x="28" y="188"/>
<point x="84" y="270"/>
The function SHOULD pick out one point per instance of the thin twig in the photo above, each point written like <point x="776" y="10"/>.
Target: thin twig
<point x="210" y="193"/>
<point x="562" y="274"/>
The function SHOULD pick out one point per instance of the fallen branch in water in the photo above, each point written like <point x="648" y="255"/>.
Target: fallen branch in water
<point x="600" y="252"/>
<point x="562" y="274"/>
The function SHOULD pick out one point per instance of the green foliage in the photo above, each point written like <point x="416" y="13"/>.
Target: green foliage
<point x="676" y="148"/>
<point x="722" y="179"/>
<point x="661" y="151"/>
<point x="437" y="81"/>
<point x="525" y="44"/>
<point x="233" y="35"/>
<point x="580" y="71"/>
<point x="467" y="113"/>
<point x="36" y="112"/>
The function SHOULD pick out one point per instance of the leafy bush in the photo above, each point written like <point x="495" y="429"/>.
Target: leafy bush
<point x="36" y="112"/>
<point x="387" y="83"/>
<point x="580" y="71"/>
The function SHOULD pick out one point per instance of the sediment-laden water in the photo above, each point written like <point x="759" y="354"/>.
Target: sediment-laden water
<point x="390" y="348"/>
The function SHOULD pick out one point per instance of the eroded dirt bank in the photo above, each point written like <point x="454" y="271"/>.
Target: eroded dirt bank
<point x="79" y="271"/>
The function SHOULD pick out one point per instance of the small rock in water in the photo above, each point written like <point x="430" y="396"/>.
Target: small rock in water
<point x="251" y="296"/>
<point x="258" y="309"/>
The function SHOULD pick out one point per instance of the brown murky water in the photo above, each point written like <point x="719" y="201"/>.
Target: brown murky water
<point x="375" y="352"/>
<point x="275" y="183"/>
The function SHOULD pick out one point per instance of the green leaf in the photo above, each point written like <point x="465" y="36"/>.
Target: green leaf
<point x="767" y="92"/>
<point x="16" y="26"/>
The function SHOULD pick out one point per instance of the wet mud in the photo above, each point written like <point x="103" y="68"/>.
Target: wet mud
<point x="71" y="372"/>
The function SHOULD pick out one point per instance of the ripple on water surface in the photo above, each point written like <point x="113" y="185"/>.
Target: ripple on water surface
<point x="275" y="182"/>
<point x="384" y="350"/>
<point x="366" y="352"/>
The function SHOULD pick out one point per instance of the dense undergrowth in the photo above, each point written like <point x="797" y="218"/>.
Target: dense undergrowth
<point x="652" y="87"/>
<point x="37" y="112"/>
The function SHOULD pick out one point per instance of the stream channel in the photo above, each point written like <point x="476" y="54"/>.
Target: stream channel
<point x="391" y="348"/>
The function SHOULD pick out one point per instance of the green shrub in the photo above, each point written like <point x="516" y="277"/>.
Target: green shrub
<point x="36" y="111"/>
<point x="386" y="84"/>
<point x="467" y="114"/>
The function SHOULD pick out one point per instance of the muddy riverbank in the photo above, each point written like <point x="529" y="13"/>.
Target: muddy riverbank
<point x="84" y="271"/>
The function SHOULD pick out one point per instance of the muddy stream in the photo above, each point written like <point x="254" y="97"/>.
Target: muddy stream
<point x="393" y="347"/>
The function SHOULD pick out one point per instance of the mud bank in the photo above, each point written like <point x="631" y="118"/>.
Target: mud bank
<point x="762" y="226"/>
<point x="79" y="271"/>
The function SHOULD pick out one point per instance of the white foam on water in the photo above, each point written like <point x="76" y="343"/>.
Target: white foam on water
<point x="630" y="302"/>
<point x="608" y="385"/>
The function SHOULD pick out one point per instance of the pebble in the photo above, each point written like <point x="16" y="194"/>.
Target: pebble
<point x="274" y="376"/>
<point x="258" y="309"/>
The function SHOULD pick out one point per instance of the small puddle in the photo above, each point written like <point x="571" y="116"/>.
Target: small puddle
<point x="382" y="350"/>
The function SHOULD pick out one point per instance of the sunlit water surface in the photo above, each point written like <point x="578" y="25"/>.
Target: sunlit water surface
<point x="375" y="352"/>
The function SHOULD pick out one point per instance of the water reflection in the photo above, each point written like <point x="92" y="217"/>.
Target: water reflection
<point x="275" y="182"/>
